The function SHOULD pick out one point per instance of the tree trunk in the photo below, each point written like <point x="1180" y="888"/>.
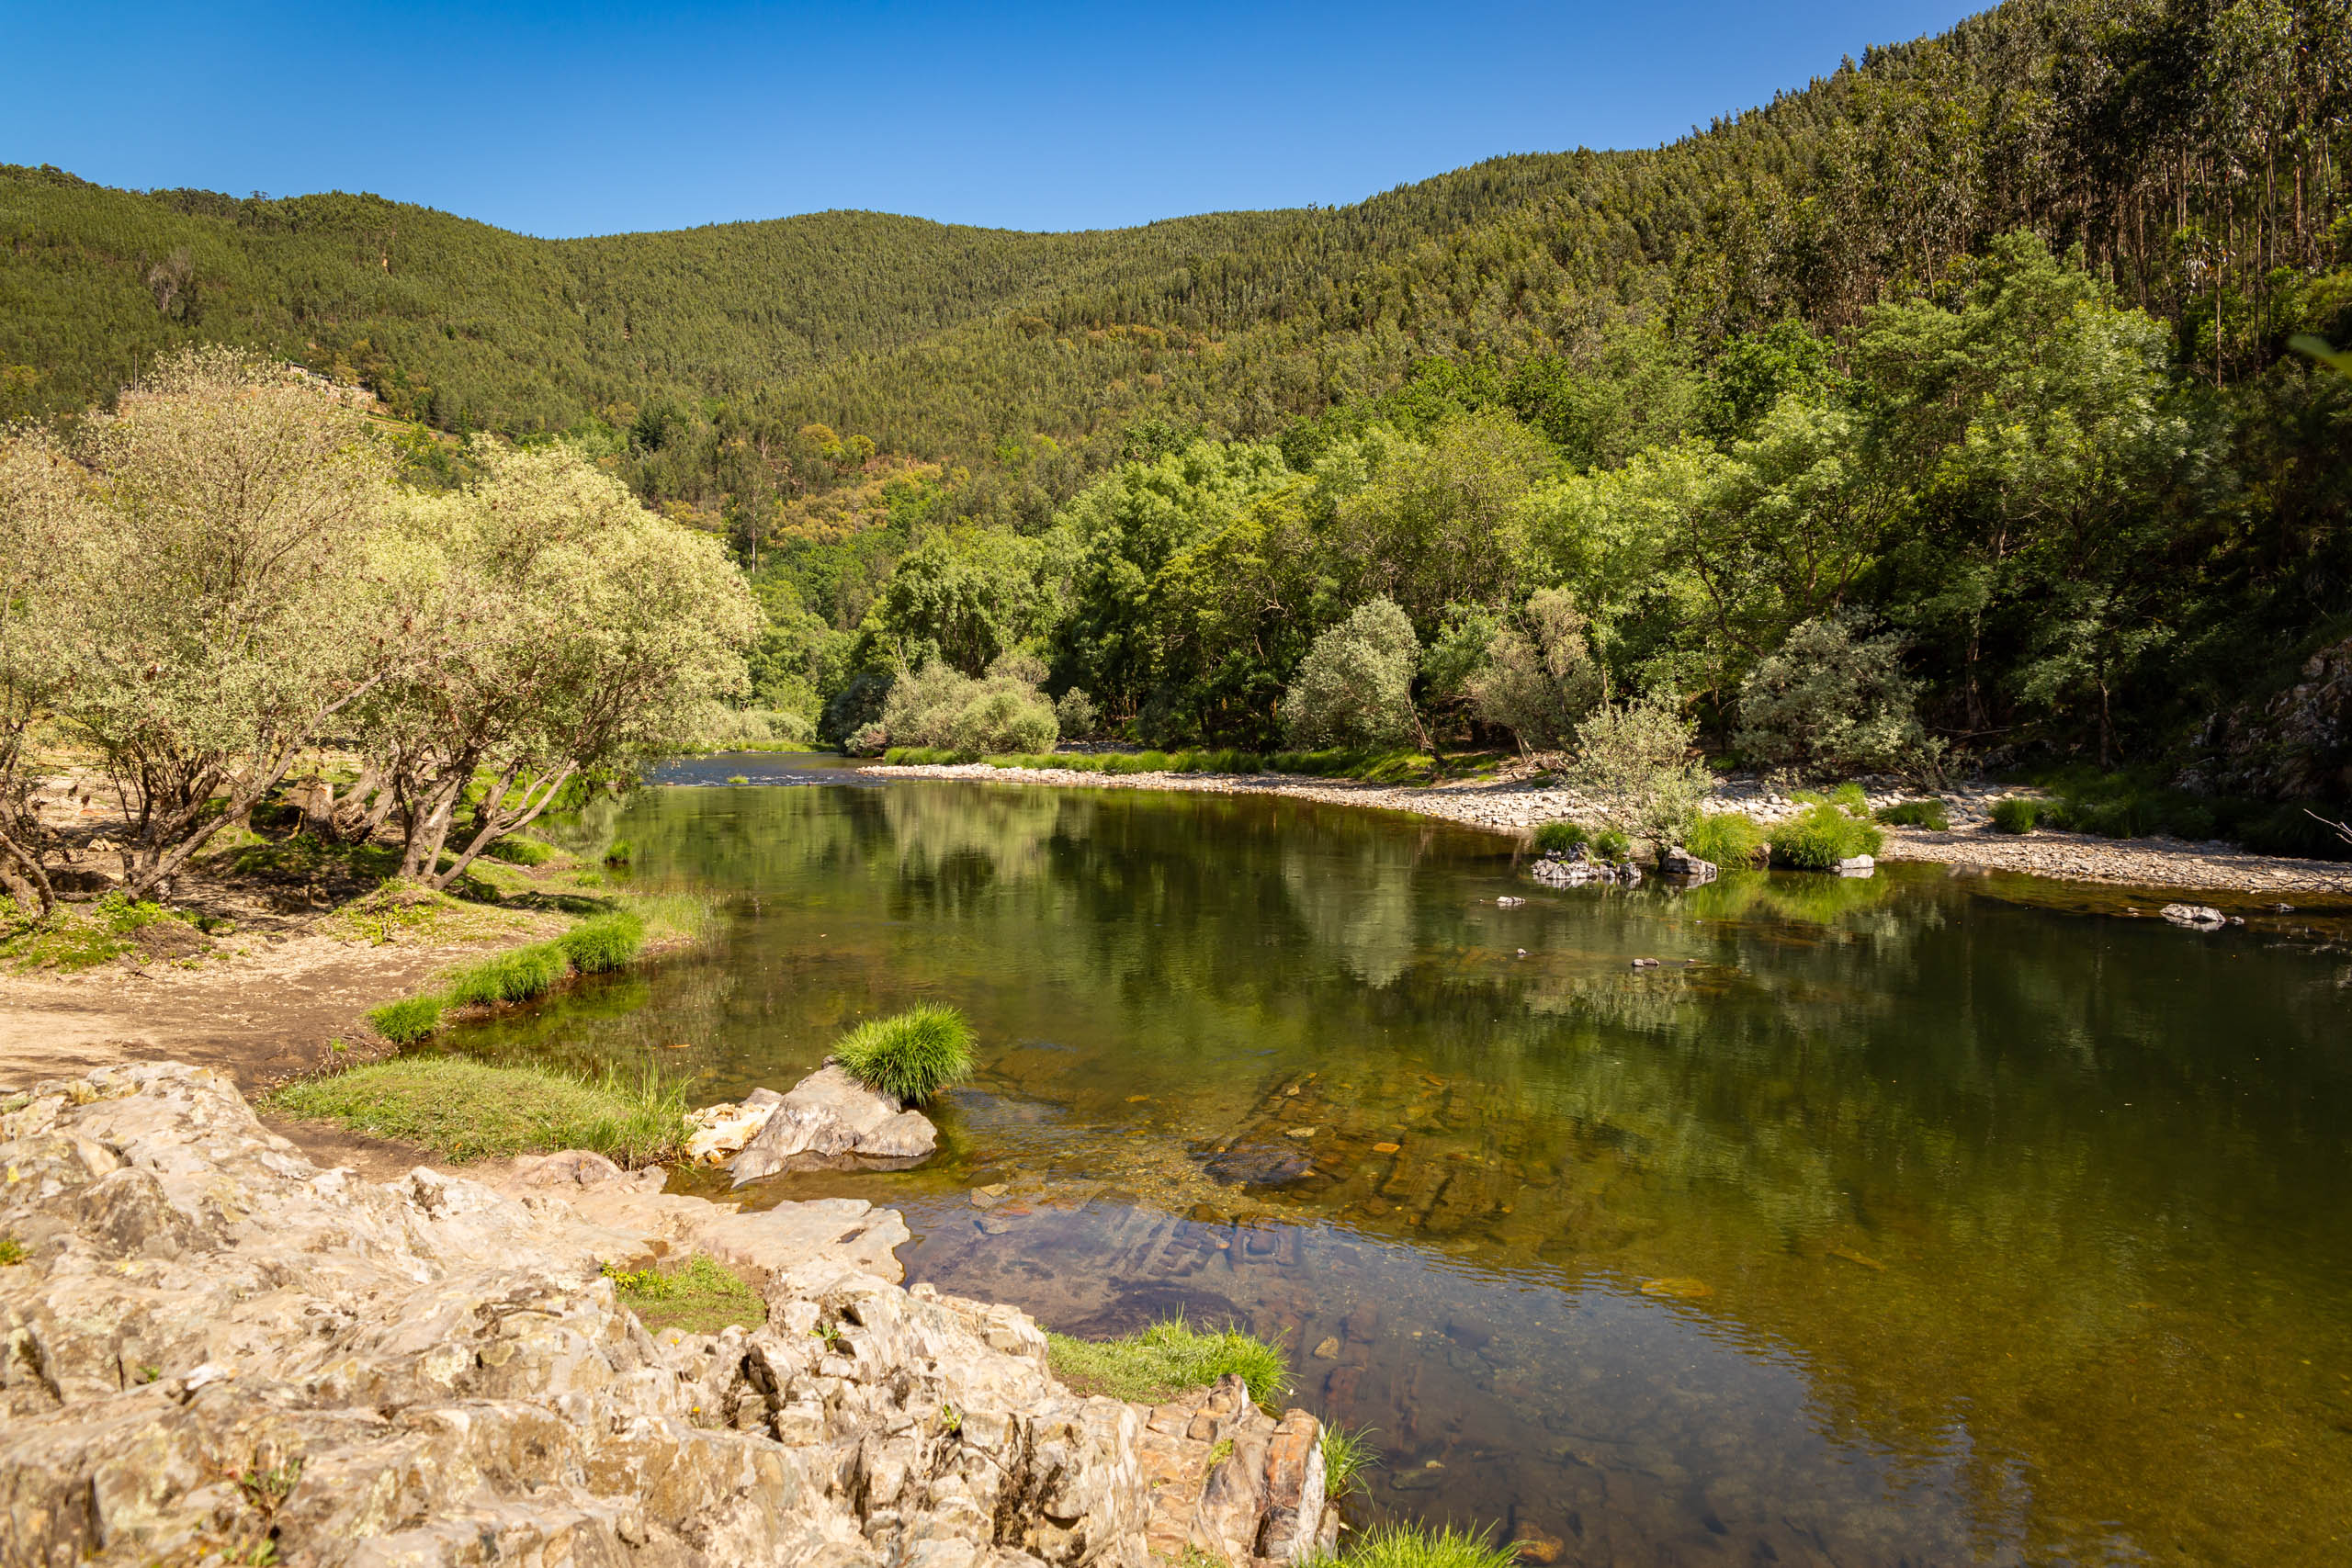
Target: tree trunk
<point x="495" y="820"/>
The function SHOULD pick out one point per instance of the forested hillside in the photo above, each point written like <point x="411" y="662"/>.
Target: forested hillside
<point x="1976" y="348"/>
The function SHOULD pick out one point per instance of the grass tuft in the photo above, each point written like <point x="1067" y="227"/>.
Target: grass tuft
<point x="1408" y="1546"/>
<point x="2015" y="814"/>
<point x="1729" y="839"/>
<point x="1821" y="835"/>
<point x="521" y="851"/>
<point x="1559" y="837"/>
<point x="409" y="1020"/>
<point x="1928" y="814"/>
<point x="702" y="1297"/>
<point x="1346" y="1456"/>
<point x="1156" y="1364"/>
<point x="460" y="1109"/>
<point x="513" y="977"/>
<point x="913" y="1055"/>
<point x="604" y="944"/>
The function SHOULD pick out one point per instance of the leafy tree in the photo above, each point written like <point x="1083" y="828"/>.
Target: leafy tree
<point x="1827" y="702"/>
<point x="1439" y="523"/>
<point x="1355" y="687"/>
<point x="1637" y="761"/>
<point x="1540" y="679"/>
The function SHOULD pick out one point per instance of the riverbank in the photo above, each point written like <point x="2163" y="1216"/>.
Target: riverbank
<point x="1517" y="804"/>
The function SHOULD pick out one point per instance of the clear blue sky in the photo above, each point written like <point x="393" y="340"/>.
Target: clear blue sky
<point x="586" y="119"/>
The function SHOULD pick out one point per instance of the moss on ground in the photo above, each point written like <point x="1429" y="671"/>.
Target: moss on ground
<point x="82" y="936"/>
<point x="701" y="1297"/>
<point x="1155" y="1364"/>
<point x="459" y="1109"/>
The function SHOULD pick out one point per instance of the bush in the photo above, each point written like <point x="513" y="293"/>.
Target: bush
<point x="2015" y="814"/>
<point x="461" y="1108"/>
<point x="939" y="705"/>
<point x="1408" y="1546"/>
<point x="1613" y="846"/>
<point x="1156" y="1364"/>
<point x="605" y="943"/>
<point x="406" y="1023"/>
<point x="1820" y="836"/>
<point x="516" y="977"/>
<point x="1729" y="839"/>
<point x="1917" y="814"/>
<point x="1077" y="715"/>
<point x="622" y="852"/>
<point x="912" y="1055"/>
<point x="1355" y="686"/>
<point x="1560" y="837"/>
<point x="1539" y="679"/>
<point x="521" y="851"/>
<point x="857" y="705"/>
<point x="1826" y="702"/>
<point x="1635" y="758"/>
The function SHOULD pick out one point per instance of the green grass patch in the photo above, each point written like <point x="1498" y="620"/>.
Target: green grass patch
<point x="1822" y="835"/>
<point x="513" y="977"/>
<point x="620" y="852"/>
<point x="1928" y="814"/>
<point x="302" y="858"/>
<point x="459" y="1109"/>
<point x="409" y="1020"/>
<point x="1156" y="1364"/>
<point x="82" y="936"/>
<point x="1411" y="1546"/>
<point x="1346" y="1456"/>
<point x="2015" y="814"/>
<point x="702" y="1297"/>
<point x="605" y="943"/>
<point x="913" y="1055"/>
<point x="673" y="917"/>
<point x="1729" y="839"/>
<point x="1560" y="837"/>
<point x="12" y="1252"/>
<point x="1613" y="846"/>
<point x="521" y="851"/>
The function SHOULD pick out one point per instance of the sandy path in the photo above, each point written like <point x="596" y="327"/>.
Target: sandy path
<point x="1515" y="806"/>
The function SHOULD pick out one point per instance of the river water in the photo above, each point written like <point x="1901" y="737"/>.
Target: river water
<point x="1922" y="1219"/>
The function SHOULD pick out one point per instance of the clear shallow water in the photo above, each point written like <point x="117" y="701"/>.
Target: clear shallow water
<point x="1925" y="1219"/>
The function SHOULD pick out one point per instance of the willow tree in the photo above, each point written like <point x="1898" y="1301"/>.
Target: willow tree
<point x="40" y="497"/>
<point x="219" y="587"/>
<point x="586" y="633"/>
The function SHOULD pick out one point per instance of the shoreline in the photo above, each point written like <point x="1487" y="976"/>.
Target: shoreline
<point x="1514" y="808"/>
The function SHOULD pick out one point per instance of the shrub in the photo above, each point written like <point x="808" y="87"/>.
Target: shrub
<point x="1635" y="758"/>
<point x="1355" y="686"/>
<point x="1077" y="715"/>
<point x="1613" y="846"/>
<point x="1408" y="1546"/>
<point x="1729" y="839"/>
<point x="605" y="943"/>
<point x="1559" y="837"/>
<point x="857" y="705"/>
<point x="1155" y="1364"/>
<point x="461" y="1108"/>
<point x="406" y="1023"/>
<point x="1917" y="814"/>
<point x="912" y="1055"/>
<point x="1539" y="679"/>
<point x="939" y="705"/>
<point x="516" y="977"/>
<point x="1829" y="703"/>
<point x="521" y="851"/>
<point x="1821" y="835"/>
<point x="2015" y="814"/>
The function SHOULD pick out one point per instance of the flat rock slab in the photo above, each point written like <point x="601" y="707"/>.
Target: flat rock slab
<point x="828" y="1121"/>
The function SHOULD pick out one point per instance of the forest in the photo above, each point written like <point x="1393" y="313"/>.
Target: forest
<point x="1943" y="411"/>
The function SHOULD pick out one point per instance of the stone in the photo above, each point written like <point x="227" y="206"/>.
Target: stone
<point x="831" y="1122"/>
<point x="1329" y="1350"/>
<point x="1537" y="1547"/>
<point x="1857" y="866"/>
<point x="2196" y="917"/>
<point x="1229" y="1480"/>
<point x="1509" y="902"/>
<point x="1682" y="866"/>
<point x="721" y="1131"/>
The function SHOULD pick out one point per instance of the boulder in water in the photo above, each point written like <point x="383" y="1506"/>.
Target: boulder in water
<point x="831" y="1122"/>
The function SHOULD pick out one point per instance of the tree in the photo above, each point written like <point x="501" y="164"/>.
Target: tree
<point x="1827" y="701"/>
<point x="1439" y="523"/>
<point x="41" y="506"/>
<point x="938" y="705"/>
<point x="1637" y="759"/>
<point x="1540" y="678"/>
<point x="1355" y="687"/>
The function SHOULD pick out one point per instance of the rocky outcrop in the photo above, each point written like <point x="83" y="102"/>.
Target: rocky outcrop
<point x="213" y="1350"/>
<point x="828" y="1121"/>
<point x="1229" y="1480"/>
<point x="2298" y="745"/>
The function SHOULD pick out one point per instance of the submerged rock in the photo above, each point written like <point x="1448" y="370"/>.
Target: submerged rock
<point x="1681" y="865"/>
<point x="215" y="1351"/>
<point x="1258" y="1165"/>
<point x="831" y="1122"/>
<point x="2196" y="917"/>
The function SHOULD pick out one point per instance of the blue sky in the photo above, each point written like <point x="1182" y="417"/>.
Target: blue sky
<point x="587" y="119"/>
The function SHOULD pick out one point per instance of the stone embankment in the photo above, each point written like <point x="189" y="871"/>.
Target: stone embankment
<point x="211" y="1350"/>
<point x="1518" y="803"/>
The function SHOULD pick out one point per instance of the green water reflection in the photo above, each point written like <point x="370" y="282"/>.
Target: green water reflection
<point x="1918" y="1219"/>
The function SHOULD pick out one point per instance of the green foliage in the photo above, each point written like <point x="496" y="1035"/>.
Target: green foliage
<point x="1930" y="814"/>
<point x="1372" y="767"/>
<point x="1408" y="1546"/>
<point x="406" y="1022"/>
<point x="913" y="1054"/>
<point x="1819" y="837"/>
<point x="1155" y="1364"/>
<point x="12" y="1252"/>
<point x="2015" y="814"/>
<point x="1559" y="837"/>
<point x="606" y="942"/>
<point x="620" y="852"/>
<point x="1347" y="1455"/>
<point x="516" y="976"/>
<point x="1731" y="840"/>
<point x="938" y="707"/>
<point x="700" y="1296"/>
<point x="521" y="851"/>
<point x="460" y="1109"/>
<point x="1354" y="688"/>
<point x="1538" y="680"/>
<point x="1827" y="702"/>
<point x="1637" y="760"/>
